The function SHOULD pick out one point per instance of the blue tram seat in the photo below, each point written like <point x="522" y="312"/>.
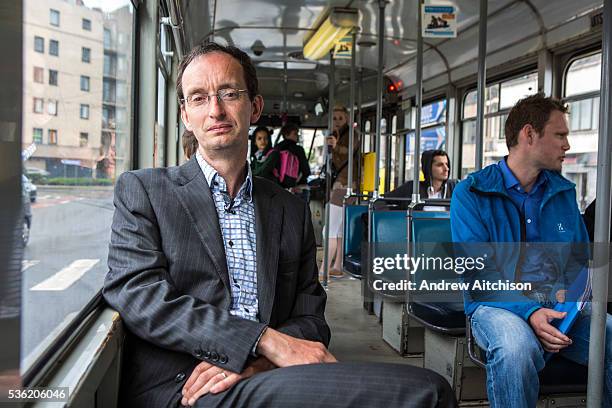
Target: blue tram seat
<point x="389" y="237"/>
<point x="430" y="233"/>
<point x="353" y="231"/>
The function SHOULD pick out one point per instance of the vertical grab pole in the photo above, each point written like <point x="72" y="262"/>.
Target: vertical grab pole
<point x="419" y="105"/>
<point x="379" y="92"/>
<point x="597" y="343"/>
<point x="328" y="168"/>
<point x="482" y="78"/>
<point x="351" y="120"/>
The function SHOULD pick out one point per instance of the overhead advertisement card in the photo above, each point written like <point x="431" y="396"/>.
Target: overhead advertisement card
<point x="343" y="48"/>
<point x="439" y="21"/>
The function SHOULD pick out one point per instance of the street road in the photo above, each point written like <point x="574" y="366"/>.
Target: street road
<point x="65" y="261"/>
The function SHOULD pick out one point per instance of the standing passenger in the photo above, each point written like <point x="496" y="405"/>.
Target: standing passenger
<point x="524" y="198"/>
<point x="339" y="141"/>
<point x="264" y="159"/>
<point x="213" y="272"/>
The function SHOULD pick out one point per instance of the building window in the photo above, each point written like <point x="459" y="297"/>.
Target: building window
<point x="38" y="105"/>
<point x="52" y="77"/>
<point x="52" y="136"/>
<point x="84" y="111"/>
<point x="86" y="54"/>
<point x="39" y="44"/>
<point x="54" y="47"/>
<point x="83" y="139"/>
<point x="86" y="24"/>
<point x="37" y="135"/>
<point x="107" y="38"/>
<point x="54" y="17"/>
<point x="52" y="107"/>
<point x="84" y="83"/>
<point x="38" y="75"/>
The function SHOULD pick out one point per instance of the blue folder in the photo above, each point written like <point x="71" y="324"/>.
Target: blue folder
<point x="576" y="297"/>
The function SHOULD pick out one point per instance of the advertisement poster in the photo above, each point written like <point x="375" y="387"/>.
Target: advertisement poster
<point x="439" y="21"/>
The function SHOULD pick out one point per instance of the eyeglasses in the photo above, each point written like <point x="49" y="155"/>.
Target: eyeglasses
<point x="223" y="95"/>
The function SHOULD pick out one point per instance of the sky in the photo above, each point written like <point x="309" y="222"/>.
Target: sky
<point x="106" y="5"/>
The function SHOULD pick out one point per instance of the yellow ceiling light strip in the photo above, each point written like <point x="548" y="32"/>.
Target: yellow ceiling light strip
<point x="337" y="24"/>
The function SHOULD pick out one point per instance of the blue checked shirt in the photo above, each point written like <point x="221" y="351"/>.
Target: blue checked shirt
<point x="237" y="222"/>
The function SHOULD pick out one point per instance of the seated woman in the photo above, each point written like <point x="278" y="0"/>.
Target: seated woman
<point x="264" y="159"/>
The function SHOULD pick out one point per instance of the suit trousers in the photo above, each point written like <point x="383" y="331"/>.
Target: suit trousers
<point x="337" y="385"/>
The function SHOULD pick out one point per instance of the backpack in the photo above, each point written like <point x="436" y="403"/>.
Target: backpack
<point x="288" y="171"/>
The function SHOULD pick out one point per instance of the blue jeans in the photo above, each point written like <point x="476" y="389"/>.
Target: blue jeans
<point x="515" y="355"/>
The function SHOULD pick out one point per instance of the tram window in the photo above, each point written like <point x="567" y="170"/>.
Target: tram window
<point x="583" y="75"/>
<point x="499" y="99"/>
<point x="582" y="81"/>
<point x="367" y="146"/>
<point x="64" y="262"/>
<point x="433" y="132"/>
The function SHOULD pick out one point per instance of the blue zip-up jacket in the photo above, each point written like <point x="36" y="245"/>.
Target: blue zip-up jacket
<point x="482" y="213"/>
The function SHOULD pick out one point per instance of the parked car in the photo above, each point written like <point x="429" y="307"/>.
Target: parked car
<point x="31" y="171"/>
<point x="27" y="215"/>
<point x="30" y="188"/>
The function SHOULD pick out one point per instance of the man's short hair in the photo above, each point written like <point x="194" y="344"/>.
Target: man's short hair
<point x="288" y="128"/>
<point x="533" y="110"/>
<point x="250" y="74"/>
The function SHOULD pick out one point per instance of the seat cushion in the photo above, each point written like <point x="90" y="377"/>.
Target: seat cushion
<point x="448" y="315"/>
<point x="352" y="264"/>
<point x="562" y="376"/>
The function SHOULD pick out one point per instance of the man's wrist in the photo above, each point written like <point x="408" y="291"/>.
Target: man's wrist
<point x="254" y="351"/>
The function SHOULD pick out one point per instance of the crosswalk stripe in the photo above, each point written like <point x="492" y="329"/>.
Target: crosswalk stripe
<point x="67" y="276"/>
<point x="27" y="264"/>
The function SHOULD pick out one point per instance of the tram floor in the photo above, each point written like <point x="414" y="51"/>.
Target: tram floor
<point x="356" y="335"/>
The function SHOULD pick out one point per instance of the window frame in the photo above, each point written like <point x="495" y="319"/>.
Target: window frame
<point x="41" y="72"/>
<point x="86" y="27"/>
<point x="54" y="12"/>
<point x="52" y="102"/>
<point x="52" y="141"/>
<point x="86" y="55"/>
<point x="55" y="75"/>
<point x="42" y="42"/>
<point x="34" y="129"/>
<point x="41" y="104"/>
<point x="54" y="51"/>
<point x="84" y="111"/>
<point x="85" y="80"/>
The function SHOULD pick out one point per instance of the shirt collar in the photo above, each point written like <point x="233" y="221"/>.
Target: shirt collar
<point x="211" y="175"/>
<point x="511" y="182"/>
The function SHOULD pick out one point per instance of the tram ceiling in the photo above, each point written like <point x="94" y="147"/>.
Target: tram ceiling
<point x="281" y="26"/>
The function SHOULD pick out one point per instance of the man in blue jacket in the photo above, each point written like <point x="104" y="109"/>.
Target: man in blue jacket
<point x="524" y="199"/>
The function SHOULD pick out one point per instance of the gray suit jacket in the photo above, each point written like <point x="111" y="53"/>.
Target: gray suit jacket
<point x="169" y="281"/>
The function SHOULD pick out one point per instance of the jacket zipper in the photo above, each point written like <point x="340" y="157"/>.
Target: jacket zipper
<point x="523" y="232"/>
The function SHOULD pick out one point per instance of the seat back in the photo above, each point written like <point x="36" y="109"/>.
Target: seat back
<point x="353" y="233"/>
<point x="388" y="237"/>
<point x="431" y="240"/>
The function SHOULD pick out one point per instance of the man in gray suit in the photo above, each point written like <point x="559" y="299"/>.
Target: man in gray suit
<point x="213" y="272"/>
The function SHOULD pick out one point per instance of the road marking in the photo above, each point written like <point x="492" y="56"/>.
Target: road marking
<point x="67" y="276"/>
<point x="64" y="202"/>
<point x="27" y="264"/>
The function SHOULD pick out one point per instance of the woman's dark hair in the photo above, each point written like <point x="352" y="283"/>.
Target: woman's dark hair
<point x="190" y="144"/>
<point x="189" y="141"/>
<point x="268" y="138"/>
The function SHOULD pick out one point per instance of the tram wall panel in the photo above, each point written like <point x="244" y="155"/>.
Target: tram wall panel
<point x="404" y="334"/>
<point x="448" y="356"/>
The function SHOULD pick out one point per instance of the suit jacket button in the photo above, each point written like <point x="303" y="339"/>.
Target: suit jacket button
<point x="179" y="377"/>
<point x="207" y="354"/>
<point x="197" y="353"/>
<point x="223" y="359"/>
<point x="214" y="356"/>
